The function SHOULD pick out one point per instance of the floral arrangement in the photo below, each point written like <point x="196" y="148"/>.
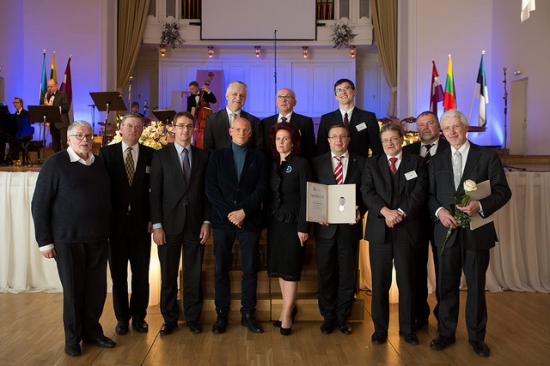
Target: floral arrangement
<point x="342" y="35"/>
<point x="171" y="35"/>
<point x="153" y="136"/>
<point x="462" y="218"/>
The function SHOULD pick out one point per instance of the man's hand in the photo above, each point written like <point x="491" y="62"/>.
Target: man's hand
<point x="50" y="253"/>
<point x="471" y="209"/>
<point x="303" y="238"/>
<point x="446" y="218"/>
<point x="393" y="217"/>
<point x="237" y="217"/>
<point x="205" y="232"/>
<point x="159" y="237"/>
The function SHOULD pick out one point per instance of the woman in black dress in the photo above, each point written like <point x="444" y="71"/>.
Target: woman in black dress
<point x="287" y="229"/>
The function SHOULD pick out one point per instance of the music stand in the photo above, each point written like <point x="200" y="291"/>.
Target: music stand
<point x="107" y="101"/>
<point x="43" y="114"/>
<point x="164" y="115"/>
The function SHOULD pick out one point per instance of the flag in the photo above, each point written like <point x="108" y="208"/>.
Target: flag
<point x="481" y="92"/>
<point x="53" y="72"/>
<point x="436" y="94"/>
<point x="67" y="87"/>
<point x="43" y="80"/>
<point x="449" y="100"/>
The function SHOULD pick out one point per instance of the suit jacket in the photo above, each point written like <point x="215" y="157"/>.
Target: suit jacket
<point x="415" y="147"/>
<point x="124" y="196"/>
<point x="377" y="193"/>
<point x="228" y="193"/>
<point x="192" y="101"/>
<point x="216" y="132"/>
<point x="304" y="124"/>
<point x="482" y="164"/>
<point x="363" y="130"/>
<point x="24" y="128"/>
<point x="323" y="173"/>
<point x="61" y="100"/>
<point x="174" y="202"/>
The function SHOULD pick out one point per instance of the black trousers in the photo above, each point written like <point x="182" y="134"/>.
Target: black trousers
<point x="82" y="269"/>
<point x="59" y="137"/>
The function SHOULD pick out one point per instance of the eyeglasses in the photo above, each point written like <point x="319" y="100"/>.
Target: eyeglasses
<point x="80" y="136"/>
<point x="284" y="97"/>
<point x="393" y="140"/>
<point x="338" y="137"/>
<point x="239" y="130"/>
<point x="183" y="127"/>
<point x="345" y="88"/>
<point x="135" y="128"/>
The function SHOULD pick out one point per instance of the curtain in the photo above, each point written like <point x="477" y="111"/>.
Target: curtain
<point x="132" y="16"/>
<point x="384" y="14"/>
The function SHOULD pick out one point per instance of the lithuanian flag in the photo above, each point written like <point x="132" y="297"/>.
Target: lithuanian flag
<point x="449" y="99"/>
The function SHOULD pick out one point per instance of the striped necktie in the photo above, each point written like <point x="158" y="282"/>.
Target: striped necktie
<point x="393" y="168"/>
<point x="338" y="171"/>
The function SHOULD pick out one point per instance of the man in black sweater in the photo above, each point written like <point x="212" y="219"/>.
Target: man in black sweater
<point x="71" y="213"/>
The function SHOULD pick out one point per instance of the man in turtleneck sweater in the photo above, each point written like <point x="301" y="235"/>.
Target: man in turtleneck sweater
<point x="236" y="184"/>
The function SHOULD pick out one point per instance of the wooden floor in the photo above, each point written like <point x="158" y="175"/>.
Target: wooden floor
<point x="31" y="333"/>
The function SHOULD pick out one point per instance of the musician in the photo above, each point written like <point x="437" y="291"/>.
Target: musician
<point x="24" y="128"/>
<point x="8" y="129"/>
<point x="193" y="100"/>
<point x="58" y="130"/>
<point x="135" y="109"/>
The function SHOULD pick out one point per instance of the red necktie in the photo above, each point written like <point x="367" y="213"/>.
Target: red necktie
<point x="392" y="165"/>
<point x="338" y="172"/>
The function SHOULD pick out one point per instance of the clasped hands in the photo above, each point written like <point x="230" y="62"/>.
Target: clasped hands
<point x="448" y="220"/>
<point x="237" y="218"/>
<point x="393" y="217"/>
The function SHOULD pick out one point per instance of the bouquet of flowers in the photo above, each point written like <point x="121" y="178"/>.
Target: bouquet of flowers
<point x="462" y="218"/>
<point x="342" y="35"/>
<point x="171" y="35"/>
<point x="153" y="136"/>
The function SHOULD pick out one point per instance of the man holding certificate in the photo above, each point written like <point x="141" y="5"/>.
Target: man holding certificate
<point x="395" y="185"/>
<point x="337" y="244"/>
<point x="461" y="247"/>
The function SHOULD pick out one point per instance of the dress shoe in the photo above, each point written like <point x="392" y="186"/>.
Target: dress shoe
<point x="121" y="327"/>
<point x="73" y="350"/>
<point x="101" y="341"/>
<point x="194" y="327"/>
<point x="220" y="325"/>
<point x="421" y="323"/>
<point x="327" y="326"/>
<point x="140" y="325"/>
<point x="379" y="338"/>
<point x="277" y="323"/>
<point x="285" y="331"/>
<point x="480" y="348"/>
<point x="344" y="326"/>
<point x="168" y="328"/>
<point x="249" y="321"/>
<point x="410" y="338"/>
<point x="442" y="342"/>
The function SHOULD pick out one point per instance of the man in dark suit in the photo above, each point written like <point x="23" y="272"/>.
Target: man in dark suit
<point x="58" y="130"/>
<point x="337" y="244"/>
<point x="24" y="128"/>
<point x="394" y="187"/>
<point x="217" y="124"/>
<point x="362" y="125"/>
<point x="430" y="143"/>
<point x="285" y="101"/>
<point x="180" y="214"/>
<point x="193" y="100"/>
<point x="236" y="185"/>
<point x="128" y="164"/>
<point x="466" y="250"/>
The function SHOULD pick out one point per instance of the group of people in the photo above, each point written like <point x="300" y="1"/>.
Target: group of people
<point x="250" y="181"/>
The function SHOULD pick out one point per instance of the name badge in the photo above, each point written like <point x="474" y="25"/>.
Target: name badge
<point x="147" y="170"/>
<point x="411" y="175"/>
<point x="361" y="126"/>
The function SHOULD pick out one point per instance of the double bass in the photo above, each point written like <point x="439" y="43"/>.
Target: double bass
<point x="202" y="112"/>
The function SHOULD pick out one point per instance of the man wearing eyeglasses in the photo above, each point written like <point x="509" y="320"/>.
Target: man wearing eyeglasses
<point x="180" y="213"/>
<point x="362" y="125"/>
<point x="337" y="244"/>
<point x="394" y="188"/>
<point x="285" y="102"/>
<point x="71" y="219"/>
<point x="128" y="164"/>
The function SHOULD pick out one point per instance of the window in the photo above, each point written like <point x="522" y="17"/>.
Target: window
<point x="325" y="9"/>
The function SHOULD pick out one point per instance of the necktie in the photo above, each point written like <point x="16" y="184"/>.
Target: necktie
<point x="338" y="171"/>
<point x="393" y="168"/>
<point x="129" y="165"/>
<point x="283" y="119"/>
<point x="428" y="155"/>
<point x="346" y="121"/>
<point x="457" y="168"/>
<point x="185" y="164"/>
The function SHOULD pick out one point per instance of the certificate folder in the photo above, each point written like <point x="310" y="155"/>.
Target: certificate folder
<point x="483" y="190"/>
<point x="334" y="203"/>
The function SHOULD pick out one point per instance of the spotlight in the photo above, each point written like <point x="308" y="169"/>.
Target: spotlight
<point x="210" y="51"/>
<point x="352" y="51"/>
<point x="304" y="51"/>
<point x="162" y="50"/>
<point x="257" y="51"/>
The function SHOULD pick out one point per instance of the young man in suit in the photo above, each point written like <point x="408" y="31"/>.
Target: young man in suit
<point x="285" y="102"/>
<point x="430" y="143"/>
<point x="337" y="244"/>
<point x="217" y="124"/>
<point x="193" y="100"/>
<point x="362" y="125"/>
<point x="236" y="185"/>
<point x="180" y="213"/>
<point x="128" y="164"/>
<point x="58" y="130"/>
<point x="394" y="188"/>
<point x="466" y="250"/>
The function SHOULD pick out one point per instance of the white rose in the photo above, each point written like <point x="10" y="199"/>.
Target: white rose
<point x="470" y="186"/>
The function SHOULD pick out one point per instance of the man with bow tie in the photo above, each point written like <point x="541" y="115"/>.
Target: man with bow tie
<point x="58" y="130"/>
<point x="193" y="100"/>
